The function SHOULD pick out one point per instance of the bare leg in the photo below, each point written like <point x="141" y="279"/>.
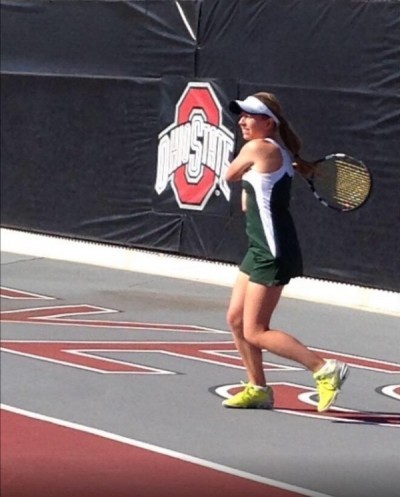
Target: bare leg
<point x="260" y="302"/>
<point x="250" y="354"/>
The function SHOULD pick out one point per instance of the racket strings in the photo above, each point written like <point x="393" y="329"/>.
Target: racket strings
<point x="352" y="184"/>
<point x="343" y="184"/>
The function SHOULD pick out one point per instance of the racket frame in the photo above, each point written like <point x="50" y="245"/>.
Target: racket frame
<point x="323" y="201"/>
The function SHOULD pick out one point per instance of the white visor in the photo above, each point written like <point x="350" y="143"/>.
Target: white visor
<point x="253" y="106"/>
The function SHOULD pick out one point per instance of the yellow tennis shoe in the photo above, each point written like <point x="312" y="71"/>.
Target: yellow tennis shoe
<point x="251" y="397"/>
<point x="329" y="382"/>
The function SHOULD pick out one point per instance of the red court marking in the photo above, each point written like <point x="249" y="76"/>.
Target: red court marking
<point x="58" y="315"/>
<point x="360" y="362"/>
<point x="83" y="354"/>
<point x="292" y="399"/>
<point x="10" y="293"/>
<point x="300" y="400"/>
<point x="392" y="391"/>
<point x="40" y="459"/>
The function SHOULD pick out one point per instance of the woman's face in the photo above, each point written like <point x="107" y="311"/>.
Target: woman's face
<point x="255" y="126"/>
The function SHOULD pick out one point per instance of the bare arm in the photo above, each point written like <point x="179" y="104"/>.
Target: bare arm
<point x="241" y="163"/>
<point x="259" y="155"/>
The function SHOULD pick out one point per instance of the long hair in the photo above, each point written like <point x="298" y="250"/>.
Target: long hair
<point x="289" y="137"/>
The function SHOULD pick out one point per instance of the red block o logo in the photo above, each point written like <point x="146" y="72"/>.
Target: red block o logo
<point x="195" y="151"/>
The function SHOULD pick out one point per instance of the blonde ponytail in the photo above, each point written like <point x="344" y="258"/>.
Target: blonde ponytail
<point x="289" y="137"/>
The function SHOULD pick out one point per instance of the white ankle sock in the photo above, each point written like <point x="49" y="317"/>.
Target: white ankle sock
<point x="263" y="388"/>
<point x="327" y="368"/>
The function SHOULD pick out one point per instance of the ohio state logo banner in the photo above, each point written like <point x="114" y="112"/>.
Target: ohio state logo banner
<point x="195" y="151"/>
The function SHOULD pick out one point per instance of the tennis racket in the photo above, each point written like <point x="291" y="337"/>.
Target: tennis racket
<point x="340" y="182"/>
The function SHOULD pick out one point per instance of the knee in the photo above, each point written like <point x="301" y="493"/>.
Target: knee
<point x="250" y="336"/>
<point x="254" y="336"/>
<point x="235" y="322"/>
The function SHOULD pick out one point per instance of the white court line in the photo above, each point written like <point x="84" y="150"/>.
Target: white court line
<point x="161" y="450"/>
<point x="161" y="264"/>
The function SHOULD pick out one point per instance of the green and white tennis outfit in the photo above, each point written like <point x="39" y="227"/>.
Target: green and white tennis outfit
<point x="273" y="255"/>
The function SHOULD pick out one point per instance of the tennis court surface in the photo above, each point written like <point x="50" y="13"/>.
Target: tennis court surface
<point x="112" y="382"/>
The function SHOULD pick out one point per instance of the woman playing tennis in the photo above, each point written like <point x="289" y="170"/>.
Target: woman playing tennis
<point x="264" y="165"/>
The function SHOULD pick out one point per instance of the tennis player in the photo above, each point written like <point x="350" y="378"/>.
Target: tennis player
<point x="265" y="167"/>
